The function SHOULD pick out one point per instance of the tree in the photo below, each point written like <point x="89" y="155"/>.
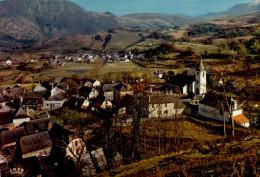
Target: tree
<point x="97" y="65"/>
<point x="225" y="77"/>
<point x="248" y="91"/>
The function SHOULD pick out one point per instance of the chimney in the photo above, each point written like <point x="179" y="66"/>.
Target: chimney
<point x="234" y="104"/>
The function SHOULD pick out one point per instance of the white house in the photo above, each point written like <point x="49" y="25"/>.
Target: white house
<point x="39" y="88"/>
<point x="210" y="107"/>
<point x="164" y="106"/>
<point x="52" y="105"/>
<point x="158" y="74"/>
<point x="8" y="62"/>
<point x="55" y="91"/>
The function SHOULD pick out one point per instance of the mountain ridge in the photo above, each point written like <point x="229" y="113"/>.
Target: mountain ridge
<point x="27" y="21"/>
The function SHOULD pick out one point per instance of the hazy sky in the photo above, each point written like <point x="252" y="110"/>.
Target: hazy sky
<point x="186" y="7"/>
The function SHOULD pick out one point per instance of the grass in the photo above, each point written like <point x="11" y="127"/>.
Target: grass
<point x="225" y="158"/>
<point x="91" y="71"/>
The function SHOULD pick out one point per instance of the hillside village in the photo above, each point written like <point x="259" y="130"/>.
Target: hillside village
<point x="33" y="130"/>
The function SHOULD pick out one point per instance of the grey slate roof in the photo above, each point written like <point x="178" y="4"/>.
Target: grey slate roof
<point x="201" y="66"/>
<point x="38" y="125"/>
<point x="21" y="114"/>
<point x="11" y="136"/>
<point x="35" y="142"/>
<point x="162" y="99"/>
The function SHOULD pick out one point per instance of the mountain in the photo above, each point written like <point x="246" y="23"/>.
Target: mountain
<point x="156" y="21"/>
<point x="237" y="10"/>
<point x="34" y="20"/>
<point x="29" y="21"/>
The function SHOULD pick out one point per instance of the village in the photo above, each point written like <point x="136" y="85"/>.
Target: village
<point x="31" y="131"/>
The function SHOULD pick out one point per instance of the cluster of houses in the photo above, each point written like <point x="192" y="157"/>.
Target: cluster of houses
<point x="27" y="128"/>
<point x="110" y="58"/>
<point x="191" y="87"/>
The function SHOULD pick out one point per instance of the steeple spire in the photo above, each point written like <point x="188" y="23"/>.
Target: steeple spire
<point x="201" y="66"/>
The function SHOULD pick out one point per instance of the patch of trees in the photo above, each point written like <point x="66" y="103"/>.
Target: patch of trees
<point x="204" y="29"/>
<point x="236" y="32"/>
<point x="156" y="35"/>
<point x="162" y="49"/>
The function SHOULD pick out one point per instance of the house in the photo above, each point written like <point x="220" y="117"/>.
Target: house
<point x="20" y="117"/>
<point x="77" y="148"/>
<point x="56" y="101"/>
<point x="39" y="88"/>
<point x="85" y="104"/>
<point x="108" y="90"/>
<point x="185" y="83"/>
<point x="56" y="91"/>
<point x="158" y="74"/>
<point x="33" y="100"/>
<point x="93" y="94"/>
<point x="120" y="90"/>
<point x="181" y="83"/>
<point x="8" y="62"/>
<point x="164" y="106"/>
<point x="36" y="144"/>
<point x="3" y="100"/>
<point x="84" y="91"/>
<point x="39" y="125"/>
<point x="92" y="83"/>
<point x="10" y="137"/>
<point x="15" y="92"/>
<point x="101" y="102"/>
<point x="6" y="115"/>
<point x="210" y="107"/>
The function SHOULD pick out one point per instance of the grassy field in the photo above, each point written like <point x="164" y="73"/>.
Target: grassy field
<point x="93" y="71"/>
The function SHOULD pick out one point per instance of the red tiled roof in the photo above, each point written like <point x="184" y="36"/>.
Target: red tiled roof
<point x="240" y="119"/>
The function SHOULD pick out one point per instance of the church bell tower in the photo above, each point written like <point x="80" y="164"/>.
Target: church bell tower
<point x="201" y="79"/>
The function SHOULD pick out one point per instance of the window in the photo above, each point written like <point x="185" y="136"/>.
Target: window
<point x="203" y="74"/>
<point x="159" y="112"/>
<point x="165" y="104"/>
<point x="77" y="151"/>
<point x="152" y="105"/>
<point x="197" y="91"/>
<point x="166" y="112"/>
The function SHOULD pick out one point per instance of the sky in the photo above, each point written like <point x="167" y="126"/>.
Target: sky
<point x="185" y="7"/>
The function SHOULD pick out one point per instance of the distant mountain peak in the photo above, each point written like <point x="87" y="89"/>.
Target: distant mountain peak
<point x="255" y="3"/>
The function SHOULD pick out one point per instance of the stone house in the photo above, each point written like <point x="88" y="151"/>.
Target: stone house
<point x="164" y="106"/>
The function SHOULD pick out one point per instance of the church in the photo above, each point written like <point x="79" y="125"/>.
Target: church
<point x="186" y="83"/>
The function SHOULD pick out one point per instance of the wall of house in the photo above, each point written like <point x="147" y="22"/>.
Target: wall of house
<point x="213" y="113"/>
<point x="247" y="125"/>
<point x="106" y="104"/>
<point x="109" y="95"/>
<point x="163" y="110"/>
<point x="45" y="151"/>
<point x="55" y="91"/>
<point x="185" y="89"/>
<point x="18" y="122"/>
<point x="237" y="112"/>
<point x="52" y="104"/>
<point x="96" y="84"/>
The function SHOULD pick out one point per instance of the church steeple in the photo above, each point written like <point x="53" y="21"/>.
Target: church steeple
<point x="201" y="79"/>
<point x="201" y="66"/>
